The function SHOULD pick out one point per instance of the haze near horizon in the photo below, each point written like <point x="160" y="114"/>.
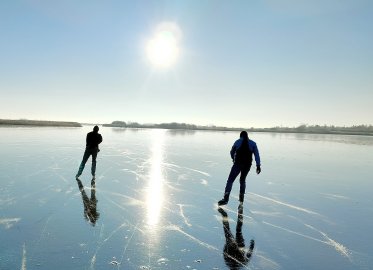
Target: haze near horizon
<point x="236" y="64"/>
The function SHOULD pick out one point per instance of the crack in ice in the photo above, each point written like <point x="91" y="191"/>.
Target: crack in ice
<point x="183" y="216"/>
<point x="337" y="246"/>
<point x="286" y="204"/>
<point x="330" y="242"/>
<point x="204" y="244"/>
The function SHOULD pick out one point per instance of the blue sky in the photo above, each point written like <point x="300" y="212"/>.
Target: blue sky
<point x="240" y="63"/>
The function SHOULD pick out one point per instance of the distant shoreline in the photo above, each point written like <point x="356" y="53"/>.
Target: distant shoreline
<point x="253" y="130"/>
<point x="38" y="123"/>
<point x="316" y="132"/>
<point x="361" y="130"/>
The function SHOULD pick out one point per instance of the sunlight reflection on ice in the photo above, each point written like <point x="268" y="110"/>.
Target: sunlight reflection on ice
<point x="155" y="186"/>
<point x="23" y="267"/>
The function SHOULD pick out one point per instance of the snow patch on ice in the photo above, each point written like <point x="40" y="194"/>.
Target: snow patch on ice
<point x="9" y="222"/>
<point x="114" y="263"/>
<point x="335" y="196"/>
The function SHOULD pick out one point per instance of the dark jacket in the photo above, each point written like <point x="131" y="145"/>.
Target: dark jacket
<point x="93" y="139"/>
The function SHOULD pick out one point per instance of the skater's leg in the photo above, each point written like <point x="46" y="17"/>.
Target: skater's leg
<point x="244" y="172"/>
<point x="84" y="161"/>
<point x="232" y="176"/>
<point x="228" y="187"/>
<point x="94" y="156"/>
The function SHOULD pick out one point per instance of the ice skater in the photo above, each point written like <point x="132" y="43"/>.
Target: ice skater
<point x="92" y="141"/>
<point x="242" y="155"/>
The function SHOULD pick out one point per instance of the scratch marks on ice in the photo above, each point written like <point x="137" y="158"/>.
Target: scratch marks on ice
<point x="186" y="221"/>
<point x="286" y="204"/>
<point x="338" y="246"/>
<point x="191" y="237"/>
<point x="187" y="168"/>
<point x="341" y="249"/>
<point x="330" y="242"/>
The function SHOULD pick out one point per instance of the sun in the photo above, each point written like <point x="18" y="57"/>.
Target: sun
<point x="163" y="48"/>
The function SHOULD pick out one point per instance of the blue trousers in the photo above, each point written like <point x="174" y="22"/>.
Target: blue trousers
<point x="88" y="152"/>
<point x="235" y="171"/>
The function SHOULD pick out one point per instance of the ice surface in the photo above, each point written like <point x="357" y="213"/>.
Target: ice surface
<point x="153" y="202"/>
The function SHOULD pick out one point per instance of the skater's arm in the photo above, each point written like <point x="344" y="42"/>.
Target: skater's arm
<point x="256" y="155"/>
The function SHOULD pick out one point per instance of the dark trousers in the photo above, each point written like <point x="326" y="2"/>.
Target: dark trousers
<point x="235" y="171"/>
<point x="88" y="152"/>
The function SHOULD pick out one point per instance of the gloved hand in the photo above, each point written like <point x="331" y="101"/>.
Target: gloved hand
<point x="258" y="169"/>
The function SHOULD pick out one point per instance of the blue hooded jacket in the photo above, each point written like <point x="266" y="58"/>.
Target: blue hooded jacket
<point x="252" y="146"/>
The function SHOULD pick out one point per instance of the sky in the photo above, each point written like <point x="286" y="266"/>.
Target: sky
<point x="246" y="63"/>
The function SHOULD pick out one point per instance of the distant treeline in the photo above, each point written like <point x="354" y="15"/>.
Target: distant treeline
<point x="172" y="125"/>
<point x="353" y="130"/>
<point x="39" y="123"/>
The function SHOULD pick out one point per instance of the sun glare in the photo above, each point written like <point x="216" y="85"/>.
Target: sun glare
<point x="156" y="178"/>
<point x="163" y="48"/>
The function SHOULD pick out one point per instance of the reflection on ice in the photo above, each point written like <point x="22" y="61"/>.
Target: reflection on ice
<point x="23" y="267"/>
<point x="235" y="254"/>
<point x="90" y="204"/>
<point x="154" y="197"/>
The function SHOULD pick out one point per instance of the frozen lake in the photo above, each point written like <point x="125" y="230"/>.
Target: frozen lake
<point x="154" y="202"/>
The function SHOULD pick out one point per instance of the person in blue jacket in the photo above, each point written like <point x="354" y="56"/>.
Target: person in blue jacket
<point x="242" y="155"/>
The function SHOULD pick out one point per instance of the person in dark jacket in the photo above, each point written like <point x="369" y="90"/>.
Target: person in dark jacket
<point x="92" y="141"/>
<point x="242" y="155"/>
